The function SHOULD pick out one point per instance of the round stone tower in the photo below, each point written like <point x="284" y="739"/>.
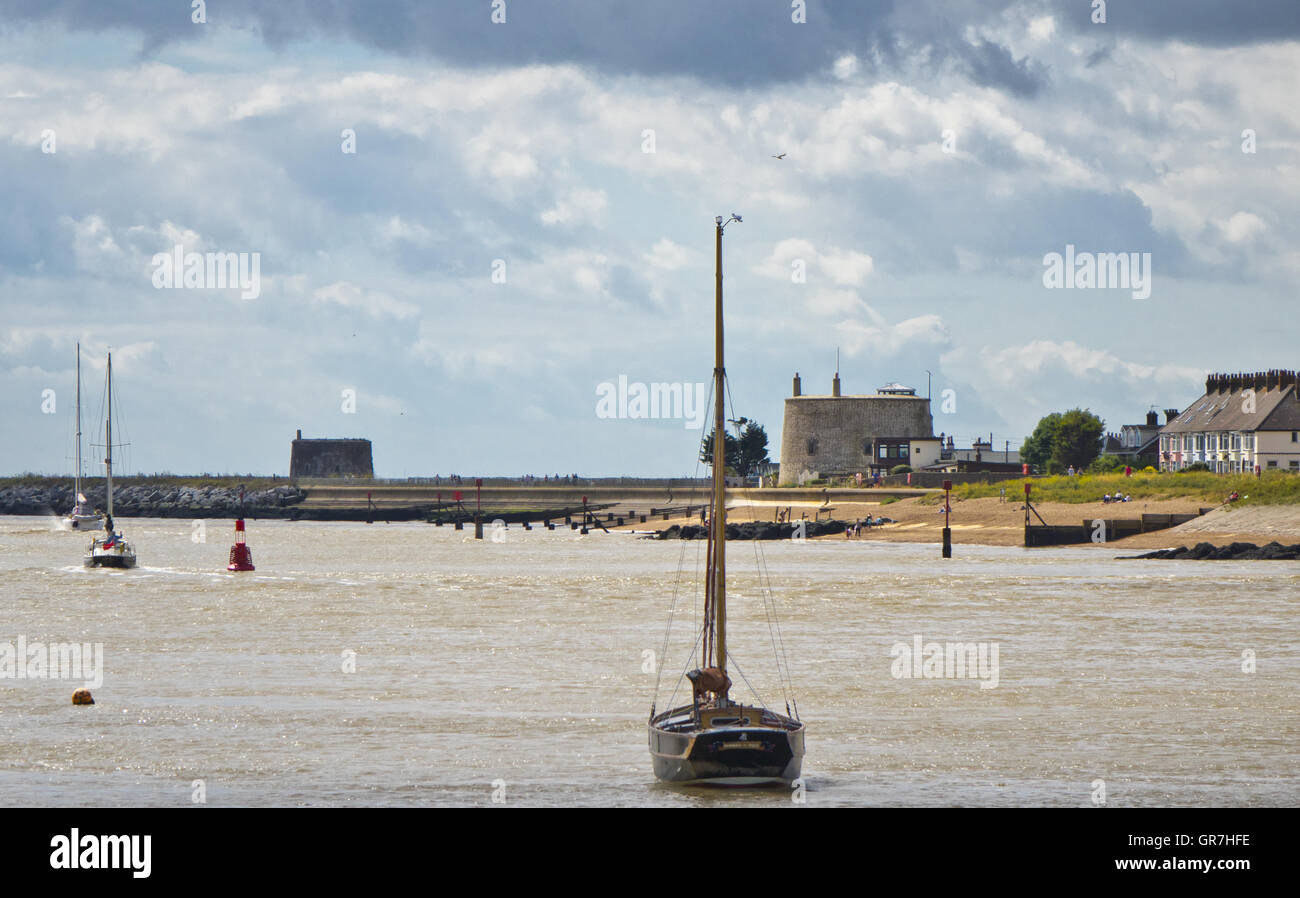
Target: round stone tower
<point x="842" y="435"/>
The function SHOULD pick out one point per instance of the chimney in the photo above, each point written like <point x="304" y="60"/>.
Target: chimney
<point x="796" y="383"/>
<point x="299" y="433"/>
<point x="835" y="385"/>
<point x="1170" y="415"/>
<point x="1152" y="418"/>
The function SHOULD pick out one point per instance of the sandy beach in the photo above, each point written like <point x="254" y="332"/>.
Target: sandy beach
<point x="993" y="522"/>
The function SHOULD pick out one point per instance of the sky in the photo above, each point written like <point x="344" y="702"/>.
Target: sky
<point x="463" y="227"/>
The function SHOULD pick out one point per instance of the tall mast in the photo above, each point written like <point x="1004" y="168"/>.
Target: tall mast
<point x="719" y="510"/>
<point x="108" y="437"/>
<point x="76" y="500"/>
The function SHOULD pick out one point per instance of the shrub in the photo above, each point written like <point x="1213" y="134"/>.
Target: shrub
<point x="901" y="469"/>
<point x="1197" y="466"/>
<point x="1104" y="464"/>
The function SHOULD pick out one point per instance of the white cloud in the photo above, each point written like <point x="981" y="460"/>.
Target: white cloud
<point x="1014" y="366"/>
<point x="668" y="256"/>
<point x="1241" y="227"/>
<point x="579" y="205"/>
<point x="374" y="303"/>
<point x="842" y="267"/>
<point x="1042" y="28"/>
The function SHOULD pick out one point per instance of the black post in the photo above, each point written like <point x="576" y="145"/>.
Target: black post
<point x="947" y="507"/>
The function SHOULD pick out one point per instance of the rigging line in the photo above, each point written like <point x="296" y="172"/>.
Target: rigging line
<point x="681" y="557"/>
<point x="769" y="602"/>
<point x="758" y="698"/>
<point x="682" y="676"/>
<point x="672" y="610"/>
<point x="780" y="638"/>
<point x="769" y="611"/>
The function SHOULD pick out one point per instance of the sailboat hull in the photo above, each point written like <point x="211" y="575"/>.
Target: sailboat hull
<point x="727" y="755"/>
<point x="119" y="554"/>
<point x="111" y="562"/>
<point x="108" y="560"/>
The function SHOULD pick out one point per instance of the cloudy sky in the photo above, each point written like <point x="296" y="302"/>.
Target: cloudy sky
<point x="935" y="153"/>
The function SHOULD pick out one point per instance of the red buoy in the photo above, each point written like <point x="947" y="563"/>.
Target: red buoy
<point x="241" y="559"/>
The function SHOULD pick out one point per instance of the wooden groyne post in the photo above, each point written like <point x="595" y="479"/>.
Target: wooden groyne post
<point x="947" y="508"/>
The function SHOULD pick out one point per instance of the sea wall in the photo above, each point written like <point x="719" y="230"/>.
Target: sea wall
<point x="147" y="501"/>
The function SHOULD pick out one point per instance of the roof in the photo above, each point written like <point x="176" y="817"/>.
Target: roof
<point x="892" y="397"/>
<point x="1275" y="408"/>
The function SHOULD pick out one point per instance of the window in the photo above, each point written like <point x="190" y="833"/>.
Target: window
<point x="1293" y="435"/>
<point x="1293" y="463"/>
<point x="1272" y="463"/>
<point x="812" y="447"/>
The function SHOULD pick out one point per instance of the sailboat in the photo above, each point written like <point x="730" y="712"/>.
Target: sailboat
<point x="109" y="550"/>
<point x="714" y="739"/>
<point x="82" y="517"/>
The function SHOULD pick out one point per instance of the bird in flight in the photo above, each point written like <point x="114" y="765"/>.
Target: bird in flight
<point x="782" y="156"/>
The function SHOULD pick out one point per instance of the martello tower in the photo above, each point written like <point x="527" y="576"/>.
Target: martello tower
<point x="330" y="458"/>
<point x="839" y="435"/>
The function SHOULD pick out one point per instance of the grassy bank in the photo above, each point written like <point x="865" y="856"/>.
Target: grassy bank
<point x="1276" y="488"/>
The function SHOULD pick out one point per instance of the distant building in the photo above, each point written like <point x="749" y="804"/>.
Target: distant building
<point x="980" y="457"/>
<point x="1243" y="422"/>
<point x="838" y="436"/>
<point x="330" y="458"/>
<point x="1138" y="442"/>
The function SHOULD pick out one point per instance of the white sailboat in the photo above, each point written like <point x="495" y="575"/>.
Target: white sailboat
<point x="111" y="549"/>
<point x="716" y="739"/>
<point x="82" y="516"/>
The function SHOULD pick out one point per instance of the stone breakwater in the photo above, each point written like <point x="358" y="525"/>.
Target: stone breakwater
<point x="754" y="530"/>
<point x="1273" y="551"/>
<point x="154" y="501"/>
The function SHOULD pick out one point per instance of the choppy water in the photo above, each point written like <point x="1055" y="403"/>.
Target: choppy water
<point x="521" y="662"/>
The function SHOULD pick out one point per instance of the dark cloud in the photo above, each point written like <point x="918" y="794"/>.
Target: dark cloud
<point x="735" y="42"/>
<point x="993" y="64"/>
<point x="1097" y="57"/>
<point x="1215" y="23"/>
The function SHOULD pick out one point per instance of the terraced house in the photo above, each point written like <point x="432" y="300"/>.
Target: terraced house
<point x="1244" y="423"/>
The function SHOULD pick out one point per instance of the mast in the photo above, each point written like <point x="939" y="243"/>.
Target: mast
<point x="108" y="438"/>
<point x="719" y="510"/>
<point x="76" y="499"/>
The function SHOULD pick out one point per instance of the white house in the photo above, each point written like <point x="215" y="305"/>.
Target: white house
<point x="1243" y="423"/>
